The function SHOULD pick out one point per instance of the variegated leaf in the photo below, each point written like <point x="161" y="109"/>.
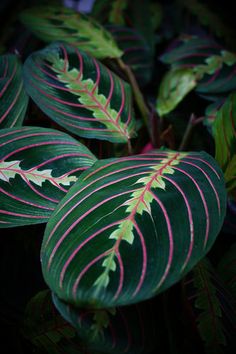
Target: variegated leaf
<point x="37" y="167"/>
<point x="80" y="93"/>
<point x="131" y="227"/>
<point x="13" y="98"/>
<point x="224" y="132"/>
<point x="213" y="66"/>
<point x="54" y="23"/>
<point x="175" y="85"/>
<point x="116" y="330"/>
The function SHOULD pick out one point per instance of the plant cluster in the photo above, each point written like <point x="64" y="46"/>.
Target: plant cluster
<point x="118" y="172"/>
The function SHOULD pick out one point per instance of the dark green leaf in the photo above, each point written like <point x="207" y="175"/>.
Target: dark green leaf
<point x="37" y="167"/>
<point x="227" y="269"/>
<point x="13" y="98"/>
<point x="131" y="227"/>
<point x="80" y="93"/>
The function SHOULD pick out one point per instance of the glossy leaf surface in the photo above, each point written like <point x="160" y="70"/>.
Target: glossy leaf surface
<point x="128" y="329"/>
<point x="54" y="23"/>
<point x="80" y="93"/>
<point x="13" y="98"/>
<point x="37" y="167"/>
<point x="131" y="227"/>
<point x="224" y="132"/>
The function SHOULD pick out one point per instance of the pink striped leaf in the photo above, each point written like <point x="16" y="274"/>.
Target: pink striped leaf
<point x="131" y="227"/>
<point x="37" y="167"/>
<point x="213" y="67"/>
<point x="13" y="98"/>
<point x="79" y="93"/>
<point x="224" y="132"/>
<point x="127" y="329"/>
<point x="54" y="23"/>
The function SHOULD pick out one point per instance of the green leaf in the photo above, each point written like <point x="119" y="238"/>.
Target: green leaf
<point x="37" y="167"/>
<point x="227" y="269"/>
<point x="213" y="65"/>
<point x="13" y="98"/>
<point x="79" y="93"/>
<point x="215" y="314"/>
<point x="131" y="227"/>
<point x="46" y="329"/>
<point x="175" y="85"/>
<point x="127" y="329"/>
<point x="224" y="132"/>
<point x="54" y="23"/>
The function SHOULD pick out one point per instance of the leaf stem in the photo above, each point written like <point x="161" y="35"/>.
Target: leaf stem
<point x="189" y="129"/>
<point x="136" y="90"/>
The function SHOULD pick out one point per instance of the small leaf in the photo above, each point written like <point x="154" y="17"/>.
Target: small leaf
<point x="131" y="227"/>
<point x="13" y="98"/>
<point x="37" y="167"/>
<point x="224" y="132"/>
<point x="80" y="93"/>
<point x="55" y="23"/>
<point x="175" y="85"/>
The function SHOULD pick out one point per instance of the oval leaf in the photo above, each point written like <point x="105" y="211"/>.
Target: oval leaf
<point x="37" y="167"/>
<point x="13" y="98"/>
<point x="131" y="227"/>
<point x="127" y="329"/>
<point x="80" y="93"/>
<point x="54" y="23"/>
<point x="175" y="85"/>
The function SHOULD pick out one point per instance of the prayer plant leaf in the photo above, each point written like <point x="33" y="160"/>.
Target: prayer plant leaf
<point x="79" y="93"/>
<point x="131" y="227"/>
<point x="175" y="85"/>
<point x="213" y="307"/>
<point x="54" y="23"/>
<point x="13" y="98"/>
<point x="213" y="66"/>
<point x="127" y="329"/>
<point x="224" y="132"/>
<point x="44" y="327"/>
<point x="37" y="167"/>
